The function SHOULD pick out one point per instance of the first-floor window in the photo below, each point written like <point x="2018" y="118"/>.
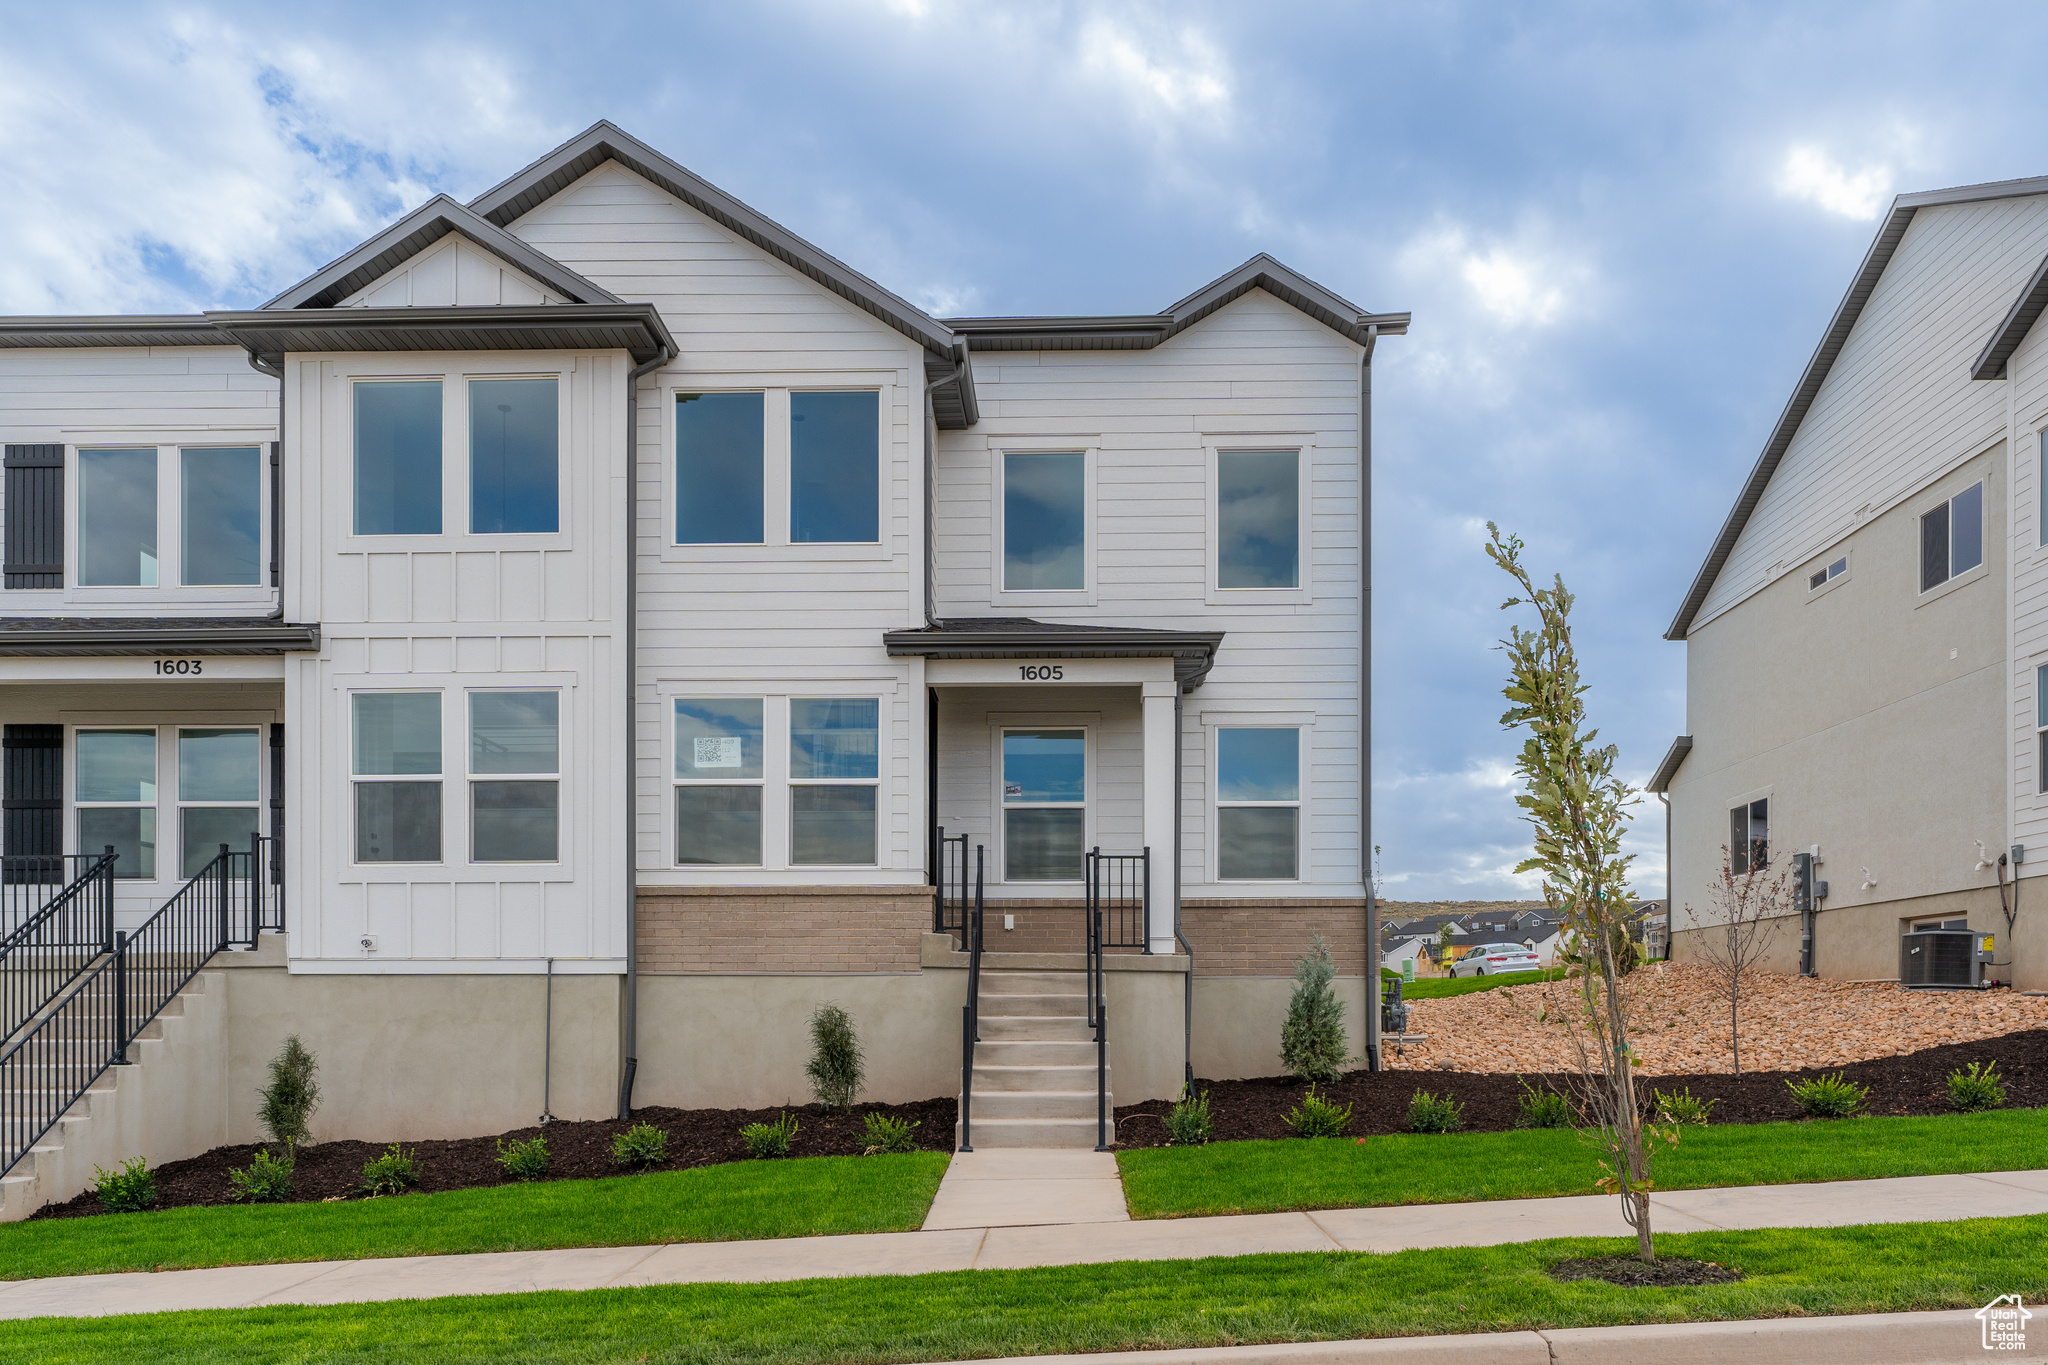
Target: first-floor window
<point x="219" y="774"/>
<point x="1045" y="789"/>
<point x="834" y="769"/>
<point x="719" y="772"/>
<point x="515" y="766"/>
<point x="114" y="784"/>
<point x="1749" y="837"/>
<point x="397" y="769"/>
<point x="1258" y="803"/>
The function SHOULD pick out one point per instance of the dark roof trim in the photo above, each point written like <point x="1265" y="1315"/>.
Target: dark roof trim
<point x="1144" y="331"/>
<point x="1193" y="652"/>
<point x="414" y="233"/>
<point x="1660" y="781"/>
<point x="134" y="330"/>
<point x="636" y="328"/>
<point x="2019" y="320"/>
<point x="81" y="637"/>
<point x="1837" y="335"/>
<point x="604" y="141"/>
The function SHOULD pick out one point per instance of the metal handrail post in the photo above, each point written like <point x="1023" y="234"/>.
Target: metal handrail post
<point x="120" y="999"/>
<point x="255" y="888"/>
<point x="221" y="890"/>
<point x="104" y="889"/>
<point x="1145" y="899"/>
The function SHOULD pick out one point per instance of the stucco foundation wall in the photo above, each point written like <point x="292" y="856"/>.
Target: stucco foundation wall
<point x="1238" y="1020"/>
<point x="1861" y="943"/>
<point x="782" y="930"/>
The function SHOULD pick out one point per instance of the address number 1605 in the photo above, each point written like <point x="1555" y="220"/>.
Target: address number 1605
<point x="1041" y="672"/>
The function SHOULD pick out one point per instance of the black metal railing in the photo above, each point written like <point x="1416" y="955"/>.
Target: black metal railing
<point x="60" y="1053"/>
<point x="30" y="883"/>
<point x="43" y="952"/>
<point x="970" y="1013"/>
<point x="1119" y="898"/>
<point x="949" y="874"/>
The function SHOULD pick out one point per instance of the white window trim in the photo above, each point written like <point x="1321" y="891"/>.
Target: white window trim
<point x="170" y="473"/>
<point x="776" y="546"/>
<point x="1821" y="563"/>
<point x="1215" y="723"/>
<point x="1983" y="564"/>
<point x="1304" y="446"/>
<point x="1089" y="724"/>
<point x="791" y="783"/>
<point x="472" y="777"/>
<point x="179" y="805"/>
<point x="439" y="776"/>
<point x="774" y="760"/>
<point x="2040" y="736"/>
<point x="1745" y="800"/>
<point x="1089" y="448"/>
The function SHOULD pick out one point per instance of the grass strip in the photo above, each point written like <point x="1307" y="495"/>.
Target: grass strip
<point x="1123" y="1306"/>
<point x="1441" y="987"/>
<point x="737" y="1200"/>
<point x="1419" y="1168"/>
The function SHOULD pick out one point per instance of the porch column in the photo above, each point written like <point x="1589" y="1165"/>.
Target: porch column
<point x="1162" y="810"/>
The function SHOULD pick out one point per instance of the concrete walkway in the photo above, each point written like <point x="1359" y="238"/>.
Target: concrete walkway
<point x="1014" y="1187"/>
<point x="1930" y="1198"/>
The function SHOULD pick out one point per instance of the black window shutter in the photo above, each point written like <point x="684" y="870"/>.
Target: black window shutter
<point x="34" y="530"/>
<point x="32" y="800"/>
<point x="276" y="528"/>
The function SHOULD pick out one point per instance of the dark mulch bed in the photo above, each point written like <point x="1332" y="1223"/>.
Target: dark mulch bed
<point x="1914" y="1083"/>
<point x="576" y="1150"/>
<point x="1667" y="1273"/>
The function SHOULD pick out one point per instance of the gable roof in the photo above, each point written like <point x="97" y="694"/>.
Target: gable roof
<point x="1879" y="256"/>
<point x="414" y="233"/>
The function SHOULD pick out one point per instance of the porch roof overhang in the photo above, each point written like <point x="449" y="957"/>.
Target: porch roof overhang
<point x="72" y="637"/>
<point x="636" y="328"/>
<point x="1019" y="637"/>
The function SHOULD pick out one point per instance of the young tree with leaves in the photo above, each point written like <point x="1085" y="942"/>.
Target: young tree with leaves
<point x="1578" y="809"/>
<point x="1747" y="911"/>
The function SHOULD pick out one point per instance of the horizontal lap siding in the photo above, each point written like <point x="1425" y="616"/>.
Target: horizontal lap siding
<point x="2028" y="369"/>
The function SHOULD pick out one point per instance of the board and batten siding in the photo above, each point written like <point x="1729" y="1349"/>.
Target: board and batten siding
<point x="453" y="271"/>
<point x="134" y="395"/>
<point x="792" y="620"/>
<point x="1898" y="408"/>
<point x="1254" y="373"/>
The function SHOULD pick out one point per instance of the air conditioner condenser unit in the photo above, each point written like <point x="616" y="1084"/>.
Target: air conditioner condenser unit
<point x="1945" y="959"/>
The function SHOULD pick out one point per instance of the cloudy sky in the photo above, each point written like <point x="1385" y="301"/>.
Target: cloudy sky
<point x="1621" y="229"/>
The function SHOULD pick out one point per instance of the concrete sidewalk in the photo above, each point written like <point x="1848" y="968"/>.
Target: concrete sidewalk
<point x="1931" y="1198"/>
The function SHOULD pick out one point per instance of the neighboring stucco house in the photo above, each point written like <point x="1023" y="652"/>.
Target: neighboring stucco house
<point x="601" y="606"/>
<point x="1865" y="641"/>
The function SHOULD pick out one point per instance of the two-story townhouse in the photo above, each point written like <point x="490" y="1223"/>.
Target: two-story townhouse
<point x="631" y="628"/>
<point x="1865" y="641"/>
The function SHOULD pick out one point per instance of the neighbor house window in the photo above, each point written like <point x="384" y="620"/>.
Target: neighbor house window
<point x="220" y="516"/>
<point x="719" y="770"/>
<point x="1820" y="577"/>
<point x="515" y="766"/>
<point x="1044" y="520"/>
<point x="1749" y="837"/>
<point x="1045" y="790"/>
<point x="114" y="789"/>
<point x="719" y="462"/>
<point x="2041" y="727"/>
<point x="218" y="775"/>
<point x="834" y="467"/>
<point x="834" y="768"/>
<point x="398" y="458"/>
<point x="1258" y="519"/>
<point x="1952" y="537"/>
<point x="514" y="456"/>
<point x="1258" y="804"/>
<point x="117" y="518"/>
<point x="397" y="768"/>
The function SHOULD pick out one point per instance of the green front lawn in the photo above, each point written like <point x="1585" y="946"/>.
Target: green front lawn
<point x="735" y="1201"/>
<point x="1414" y="1168"/>
<point x="1439" y="987"/>
<point x="1123" y="1306"/>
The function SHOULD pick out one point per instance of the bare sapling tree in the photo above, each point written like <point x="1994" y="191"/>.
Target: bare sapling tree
<point x="1745" y="914"/>
<point x="1578" y="810"/>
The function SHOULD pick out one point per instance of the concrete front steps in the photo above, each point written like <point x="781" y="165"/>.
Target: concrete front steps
<point x="1034" y="1068"/>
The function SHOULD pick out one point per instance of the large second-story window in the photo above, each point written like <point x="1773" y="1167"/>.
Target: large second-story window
<point x="219" y="772"/>
<point x="1258" y="519"/>
<point x="117" y="517"/>
<point x="719" y="465"/>
<point x="114" y="789"/>
<point x="514" y="456"/>
<point x="397" y="767"/>
<point x="1045" y="813"/>
<point x="834" y="467"/>
<point x="398" y="457"/>
<point x="220" y="516"/>
<point x="1952" y="537"/>
<point x="834" y="767"/>
<point x="1258" y="803"/>
<point x="719" y="772"/>
<point x="515" y="765"/>
<point x="1045" y="521"/>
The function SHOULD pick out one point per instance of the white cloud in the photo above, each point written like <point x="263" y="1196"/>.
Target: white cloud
<point x="1512" y="288"/>
<point x="1177" y="73"/>
<point x="1810" y="174"/>
<point x="1523" y="282"/>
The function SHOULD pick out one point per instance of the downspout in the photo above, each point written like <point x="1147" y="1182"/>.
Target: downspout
<point x="1372" y="909"/>
<point x="631" y="1041"/>
<point x="931" y="479"/>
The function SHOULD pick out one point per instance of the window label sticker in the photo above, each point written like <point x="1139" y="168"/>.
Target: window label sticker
<point x="718" y="751"/>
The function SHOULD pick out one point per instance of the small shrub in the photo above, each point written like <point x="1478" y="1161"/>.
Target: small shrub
<point x="268" y="1179"/>
<point x="1976" y="1086"/>
<point x="526" y="1160"/>
<point x="835" y="1067"/>
<point x="128" y="1190"/>
<point x="639" y="1147"/>
<point x="1829" y="1097"/>
<point x="770" y="1139"/>
<point x="1187" y="1120"/>
<point x="292" y="1095"/>
<point x="395" y="1172"/>
<point x="1318" y="1117"/>
<point x="884" y="1135"/>
<point x="1541" y="1109"/>
<point x="1681" y="1106"/>
<point x="1429" y="1113"/>
<point x="1313" y="1044"/>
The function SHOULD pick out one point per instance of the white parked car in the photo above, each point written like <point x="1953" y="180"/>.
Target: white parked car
<point x="1492" y="959"/>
